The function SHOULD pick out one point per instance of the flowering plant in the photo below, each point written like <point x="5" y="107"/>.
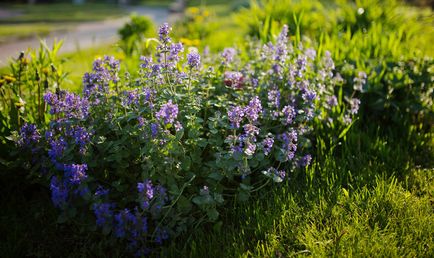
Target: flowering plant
<point x="154" y="154"/>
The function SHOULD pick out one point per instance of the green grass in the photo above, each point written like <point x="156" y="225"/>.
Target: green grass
<point x="369" y="201"/>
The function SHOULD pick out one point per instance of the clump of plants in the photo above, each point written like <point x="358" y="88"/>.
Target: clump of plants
<point x="369" y="36"/>
<point x="146" y="156"/>
<point x="22" y="89"/>
<point x="133" y="34"/>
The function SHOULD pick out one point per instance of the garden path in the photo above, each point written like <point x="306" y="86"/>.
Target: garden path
<point x="84" y="35"/>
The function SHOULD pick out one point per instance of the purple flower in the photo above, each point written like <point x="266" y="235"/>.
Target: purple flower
<point x="310" y="53"/>
<point x="305" y="161"/>
<point x="251" y="130"/>
<point x="174" y="51"/>
<point x="28" y="135"/>
<point x="130" y="97"/>
<point x="281" y="48"/>
<point x="59" y="192"/>
<point x="276" y="175"/>
<point x="154" y="130"/>
<point x="289" y="114"/>
<point x="178" y="126"/>
<point x="168" y="112"/>
<point x="101" y="191"/>
<point x="354" y="105"/>
<point x="145" y="62"/>
<point x="228" y="55"/>
<point x="112" y="62"/>
<point x="289" y="139"/>
<point x="329" y="65"/>
<point x="308" y="95"/>
<point x="253" y="110"/>
<point x="70" y="104"/>
<point x="163" y="31"/>
<point x="146" y="188"/>
<point x="267" y="144"/>
<point x="250" y="148"/>
<point x="193" y="60"/>
<point x="332" y="101"/>
<point x="359" y="81"/>
<point x="57" y="147"/>
<point x="301" y="65"/>
<point x="76" y="173"/>
<point x="146" y="193"/>
<point x="141" y="121"/>
<point x="235" y="115"/>
<point x="125" y="222"/>
<point x="103" y="213"/>
<point x="274" y="98"/>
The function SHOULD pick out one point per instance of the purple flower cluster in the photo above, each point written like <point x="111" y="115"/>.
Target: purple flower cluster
<point x="104" y="213"/>
<point x="130" y="225"/>
<point x="281" y="47"/>
<point x="305" y="161"/>
<point x="75" y="173"/>
<point x="274" y="98"/>
<point x="193" y="60"/>
<point x="80" y="135"/>
<point x="228" y="55"/>
<point x="359" y="81"/>
<point x="277" y="175"/>
<point x="130" y="97"/>
<point x="253" y="110"/>
<point x="28" y="136"/>
<point x="163" y="33"/>
<point x="68" y="104"/>
<point x="235" y="115"/>
<point x="104" y="71"/>
<point x="354" y="106"/>
<point x="267" y="144"/>
<point x="168" y="112"/>
<point x="332" y="101"/>
<point x="289" y="140"/>
<point x="59" y="192"/>
<point x="56" y="149"/>
<point x="289" y="114"/>
<point x="146" y="192"/>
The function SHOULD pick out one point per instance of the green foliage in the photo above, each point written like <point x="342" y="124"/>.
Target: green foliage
<point x="134" y="33"/>
<point x="386" y="40"/>
<point x="21" y="93"/>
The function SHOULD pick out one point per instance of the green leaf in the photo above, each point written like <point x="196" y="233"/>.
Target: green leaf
<point x="344" y="132"/>
<point x="216" y="176"/>
<point x="213" y="214"/>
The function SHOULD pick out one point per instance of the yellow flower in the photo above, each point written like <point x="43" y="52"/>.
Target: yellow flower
<point x="45" y="70"/>
<point x="193" y="10"/>
<point x="199" y="19"/>
<point x="9" y="78"/>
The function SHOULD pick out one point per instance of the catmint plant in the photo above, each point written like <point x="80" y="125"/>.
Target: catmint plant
<point x="150" y="159"/>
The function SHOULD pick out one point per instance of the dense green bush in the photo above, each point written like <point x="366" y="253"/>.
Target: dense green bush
<point x="133" y="35"/>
